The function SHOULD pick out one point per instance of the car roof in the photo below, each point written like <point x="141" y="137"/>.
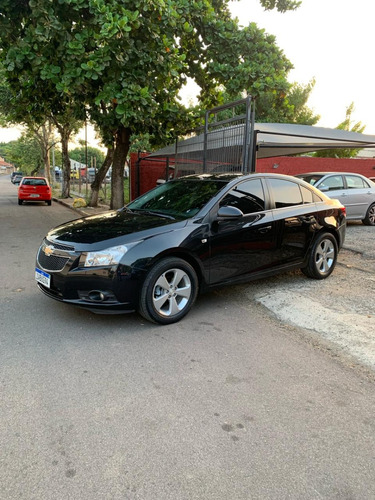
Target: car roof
<point x="329" y="173"/>
<point x="233" y="176"/>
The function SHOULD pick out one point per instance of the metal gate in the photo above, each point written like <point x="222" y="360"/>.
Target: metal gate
<point x="226" y="143"/>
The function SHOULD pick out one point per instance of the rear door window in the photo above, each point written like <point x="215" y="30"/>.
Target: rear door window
<point x="285" y="193"/>
<point x="355" y="182"/>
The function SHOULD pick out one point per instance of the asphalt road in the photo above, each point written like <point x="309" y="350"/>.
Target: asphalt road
<point x="228" y="404"/>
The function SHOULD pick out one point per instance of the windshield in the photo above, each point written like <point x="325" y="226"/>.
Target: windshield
<point x="182" y="198"/>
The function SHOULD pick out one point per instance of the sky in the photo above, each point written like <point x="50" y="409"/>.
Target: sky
<point x="329" y="40"/>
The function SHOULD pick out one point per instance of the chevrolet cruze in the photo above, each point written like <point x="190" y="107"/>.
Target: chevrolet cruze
<point x="187" y="236"/>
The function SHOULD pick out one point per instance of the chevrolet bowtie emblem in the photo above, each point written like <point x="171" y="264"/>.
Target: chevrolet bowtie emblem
<point x="48" y="251"/>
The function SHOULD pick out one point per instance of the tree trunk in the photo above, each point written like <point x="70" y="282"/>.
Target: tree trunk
<point x="43" y="135"/>
<point x="47" y="165"/>
<point x="99" y="177"/>
<point x="122" y="143"/>
<point x="65" y="190"/>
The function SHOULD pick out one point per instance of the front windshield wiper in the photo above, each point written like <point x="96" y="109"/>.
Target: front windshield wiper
<point x="150" y="212"/>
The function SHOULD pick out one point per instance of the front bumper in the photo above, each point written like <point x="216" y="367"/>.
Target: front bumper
<point x="112" y="307"/>
<point x="105" y="290"/>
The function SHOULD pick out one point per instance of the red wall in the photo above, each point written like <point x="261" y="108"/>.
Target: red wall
<point x="144" y="174"/>
<point x="292" y="165"/>
<point x="144" y="177"/>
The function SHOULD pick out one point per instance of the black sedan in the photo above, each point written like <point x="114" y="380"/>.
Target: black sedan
<point x="187" y="236"/>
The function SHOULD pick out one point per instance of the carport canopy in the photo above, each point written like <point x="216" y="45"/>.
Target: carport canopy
<point x="272" y="139"/>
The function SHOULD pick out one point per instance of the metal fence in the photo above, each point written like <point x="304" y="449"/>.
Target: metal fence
<point x="224" y="144"/>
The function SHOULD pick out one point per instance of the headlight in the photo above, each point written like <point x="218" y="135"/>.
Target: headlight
<point x="108" y="257"/>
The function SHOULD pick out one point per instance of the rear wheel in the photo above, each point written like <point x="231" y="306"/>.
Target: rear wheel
<point x="19" y="202"/>
<point x="322" y="258"/>
<point x="169" y="291"/>
<point x="49" y="203"/>
<point x="369" y="219"/>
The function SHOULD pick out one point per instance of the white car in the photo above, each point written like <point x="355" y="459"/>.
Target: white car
<point x="356" y="192"/>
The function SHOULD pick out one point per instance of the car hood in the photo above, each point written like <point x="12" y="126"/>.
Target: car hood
<point x="114" y="225"/>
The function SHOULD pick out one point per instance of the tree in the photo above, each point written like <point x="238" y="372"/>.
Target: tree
<point x="345" y="125"/>
<point x="24" y="153"/>
<point x="13" y="109"/>
<point x="122" y="64"/>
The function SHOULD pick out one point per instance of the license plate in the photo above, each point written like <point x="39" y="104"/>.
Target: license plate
<point x="34" y="196"/>
<point x="42" y="277"/>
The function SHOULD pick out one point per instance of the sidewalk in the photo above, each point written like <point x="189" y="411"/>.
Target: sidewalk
<point x="84" y="211"/>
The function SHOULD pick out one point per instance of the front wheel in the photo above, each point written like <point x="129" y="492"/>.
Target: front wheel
<point x="322" y="258"/>
<point x="169" y="291"/>
<point x="369" y="219"/>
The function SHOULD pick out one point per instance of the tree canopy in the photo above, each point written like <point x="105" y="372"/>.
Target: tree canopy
<point x="121" y="64"/>
<point x="344" y="125"/>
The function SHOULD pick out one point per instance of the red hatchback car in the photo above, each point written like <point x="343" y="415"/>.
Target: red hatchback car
<point x="34" y="189"/>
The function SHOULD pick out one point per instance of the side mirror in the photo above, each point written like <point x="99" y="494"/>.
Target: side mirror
<point x="324" y="189"/>
<point x="229" y="213"/>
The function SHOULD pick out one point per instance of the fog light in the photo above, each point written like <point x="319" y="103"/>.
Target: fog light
<point x="98" y="296"/>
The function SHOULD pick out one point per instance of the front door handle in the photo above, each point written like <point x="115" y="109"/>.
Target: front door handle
<point x="308" y="219"/>
<point x="265" y="229"/>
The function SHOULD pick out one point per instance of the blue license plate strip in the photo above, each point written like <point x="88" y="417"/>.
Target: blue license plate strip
<point x="42" y="277"/>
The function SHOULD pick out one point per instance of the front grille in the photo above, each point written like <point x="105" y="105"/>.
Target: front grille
<point x="52" y="263"/>
<point x="59" y="246"/>
<point x="54" y="256"/>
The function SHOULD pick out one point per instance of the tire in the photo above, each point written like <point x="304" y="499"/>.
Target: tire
<point x="169" y="291"/>
<point x="20" y="202"/>
<point x="369" y="219"/>
<point x="49" y="202"/>
<point x="322" y="258"/>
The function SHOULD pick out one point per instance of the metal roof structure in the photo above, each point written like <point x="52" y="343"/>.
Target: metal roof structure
<point x="231" y="141"/>
<point x="272" y="139"/>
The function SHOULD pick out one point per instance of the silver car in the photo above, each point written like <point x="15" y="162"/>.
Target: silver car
<point x="356" y="192"/>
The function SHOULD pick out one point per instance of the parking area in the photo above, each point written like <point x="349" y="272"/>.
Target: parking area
<point x="337" y="313"/>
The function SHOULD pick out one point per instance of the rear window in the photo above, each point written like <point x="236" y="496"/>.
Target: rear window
<point x="34" y="182"/>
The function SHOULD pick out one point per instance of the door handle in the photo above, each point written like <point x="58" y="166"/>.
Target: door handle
<point x="265" y="229"/>
<point x="308" y="219"/>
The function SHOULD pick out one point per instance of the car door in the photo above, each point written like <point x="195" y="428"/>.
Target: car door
<point x="243" y="245"/>
<point x="294" y="214"/>
<point x="334" y="186"/>
<point x="357" y="196"/>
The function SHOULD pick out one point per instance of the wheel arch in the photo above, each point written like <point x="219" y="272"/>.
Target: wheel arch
<point x="184" y="255"/>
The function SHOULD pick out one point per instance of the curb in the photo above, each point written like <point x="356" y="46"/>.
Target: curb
<point x="84" y="211"/>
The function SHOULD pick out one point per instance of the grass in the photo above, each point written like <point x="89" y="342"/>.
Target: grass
<point x="85" y="191"/>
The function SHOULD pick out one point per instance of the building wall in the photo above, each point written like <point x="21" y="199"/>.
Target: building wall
<point x="292" y="165"/>
<point x="145" y="176"/>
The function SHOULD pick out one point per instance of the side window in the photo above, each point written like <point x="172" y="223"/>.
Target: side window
<point x="285" y="193"/>
<point x="307" y="195"/>
<point x="333" y="182"/>
<point x="247" y="196"/>
<point x="354" y="182"/>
